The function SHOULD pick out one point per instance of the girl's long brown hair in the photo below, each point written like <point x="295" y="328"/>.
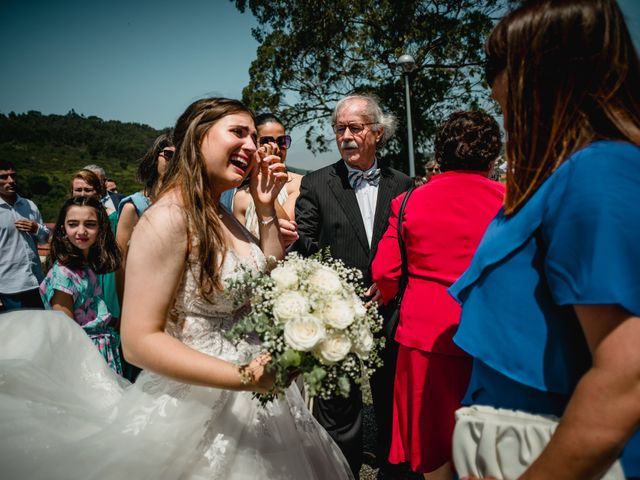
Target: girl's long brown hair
<point x="187" y="174"/>
<point x="104" y="255"/>
<point x="573" y="77"/>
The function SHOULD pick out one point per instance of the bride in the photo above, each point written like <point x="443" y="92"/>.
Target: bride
<point x="190" y="415"/>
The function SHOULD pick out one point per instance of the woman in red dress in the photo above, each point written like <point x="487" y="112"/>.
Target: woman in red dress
<point x="444" y="221"/>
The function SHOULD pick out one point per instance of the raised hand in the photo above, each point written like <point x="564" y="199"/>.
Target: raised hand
<point x="268" y="177"/>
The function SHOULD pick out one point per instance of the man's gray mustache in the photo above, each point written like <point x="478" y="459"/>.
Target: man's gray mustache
<point x="349" y="144"/>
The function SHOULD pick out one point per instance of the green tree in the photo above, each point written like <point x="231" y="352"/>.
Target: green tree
<point x="313" y="53"/>
<point x="39" y="185"/>
<point x="48" y="149"/>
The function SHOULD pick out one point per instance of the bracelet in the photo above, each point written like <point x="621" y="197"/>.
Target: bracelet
<point x="267" y="220"/>
<point x="246" y="375"/>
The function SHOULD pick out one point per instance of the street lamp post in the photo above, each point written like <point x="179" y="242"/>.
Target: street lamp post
<point x="408" y="65"/>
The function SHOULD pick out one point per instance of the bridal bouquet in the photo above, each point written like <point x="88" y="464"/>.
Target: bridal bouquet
<point x="310" y="316"/>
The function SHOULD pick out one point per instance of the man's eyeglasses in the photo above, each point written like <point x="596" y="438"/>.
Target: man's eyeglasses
<point x="283" y="141"/>
<point x="5" y="176"/>
<point x="354" y="127"/>
<point x="166" y="153"/>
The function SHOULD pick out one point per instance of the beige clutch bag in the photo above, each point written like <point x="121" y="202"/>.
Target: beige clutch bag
<point x="490" y="442"/>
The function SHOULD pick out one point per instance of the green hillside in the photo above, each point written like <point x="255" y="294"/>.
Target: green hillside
<point x="48" y="149"/>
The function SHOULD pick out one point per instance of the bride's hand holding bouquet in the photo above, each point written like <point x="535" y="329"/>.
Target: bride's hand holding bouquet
<point x="310" y="317"/>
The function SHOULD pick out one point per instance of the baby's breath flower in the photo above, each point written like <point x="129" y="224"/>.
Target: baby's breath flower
<point x="310" y="316"/>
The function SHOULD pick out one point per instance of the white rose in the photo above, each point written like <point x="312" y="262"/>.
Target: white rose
<point x="303" y="333"/>
<point x="338" y="313"/>
<point x="358" y="307"/>
<point x="364" y="343"/>
<point x="334" y="348"/>
<point x="325" y="281"/>
<point x="289" y="305"/>
<point x="285" y="278"/>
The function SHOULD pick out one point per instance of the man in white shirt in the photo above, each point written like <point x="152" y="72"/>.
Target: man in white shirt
<point x="21" y="227"/>
<point x="346" y="207"/>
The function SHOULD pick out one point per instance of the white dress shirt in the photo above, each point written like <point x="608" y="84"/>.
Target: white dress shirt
<point x="367" y="197"/>
<point x="108" y="202"/>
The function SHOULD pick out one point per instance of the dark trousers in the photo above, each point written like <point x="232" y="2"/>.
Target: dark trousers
<point x="382" y="392"/>
<point x="20" y="300"/>
<point x="342" y="418"/>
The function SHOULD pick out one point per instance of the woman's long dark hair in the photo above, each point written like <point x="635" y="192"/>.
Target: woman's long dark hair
<point x="147" y="173"/>
<point x="573" y="77"/>
<point x="104" y="255"/>
<point x="187" y="174"/>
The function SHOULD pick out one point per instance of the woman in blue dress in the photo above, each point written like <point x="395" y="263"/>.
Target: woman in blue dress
<point x="551" y="301"/>
<point x="151" y="170"/>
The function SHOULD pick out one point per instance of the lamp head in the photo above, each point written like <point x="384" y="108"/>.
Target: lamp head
<point x="407" y="63"/>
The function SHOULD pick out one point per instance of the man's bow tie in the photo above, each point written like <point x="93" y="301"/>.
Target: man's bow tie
<point x="356" y="177"/>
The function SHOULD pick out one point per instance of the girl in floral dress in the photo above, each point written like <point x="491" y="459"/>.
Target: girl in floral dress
<point x="83" y="246"/>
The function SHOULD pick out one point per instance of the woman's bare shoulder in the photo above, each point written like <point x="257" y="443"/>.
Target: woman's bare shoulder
<point x="242" y="192"/>
<point x="241" y="199"/>
<point x="166" y="218"/>
<point x="294" y="181"/>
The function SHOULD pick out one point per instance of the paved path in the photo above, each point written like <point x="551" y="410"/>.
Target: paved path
<point x="370" y="470"/>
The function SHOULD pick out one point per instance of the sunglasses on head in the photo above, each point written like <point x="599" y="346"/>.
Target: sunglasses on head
<point x="283" y="141"/>
<point x="166" y="153"/>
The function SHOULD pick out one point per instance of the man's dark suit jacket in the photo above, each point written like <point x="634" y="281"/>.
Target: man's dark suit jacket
<point x="328" y="215"/>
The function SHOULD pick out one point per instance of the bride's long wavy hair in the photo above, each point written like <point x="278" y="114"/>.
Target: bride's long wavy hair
<point x="573" y="77"/>
<point x="187" y="174"/>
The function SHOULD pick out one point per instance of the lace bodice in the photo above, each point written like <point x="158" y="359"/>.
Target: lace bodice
<point x="202" y="325"/>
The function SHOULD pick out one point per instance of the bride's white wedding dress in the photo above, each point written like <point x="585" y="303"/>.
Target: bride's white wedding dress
<point x="65" y="415"/>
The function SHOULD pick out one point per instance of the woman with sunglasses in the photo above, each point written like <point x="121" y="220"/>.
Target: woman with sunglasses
<point x="151" y="169"/>
<point x="431" y="168"/>
<point x="270" y="132"/>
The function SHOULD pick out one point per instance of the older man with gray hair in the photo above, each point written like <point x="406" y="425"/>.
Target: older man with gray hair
<point x="111" y="200"/>
<point x="346" y="207"/>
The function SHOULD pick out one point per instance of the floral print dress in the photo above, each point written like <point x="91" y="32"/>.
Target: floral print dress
<point x="89" y="309"/>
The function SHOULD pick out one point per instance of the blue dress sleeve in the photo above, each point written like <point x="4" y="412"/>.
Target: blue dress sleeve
<point x="591" y="229"/>
<point x="139" y="202"/>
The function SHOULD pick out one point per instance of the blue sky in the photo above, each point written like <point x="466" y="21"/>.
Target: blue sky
<point x="137" y="60"/>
